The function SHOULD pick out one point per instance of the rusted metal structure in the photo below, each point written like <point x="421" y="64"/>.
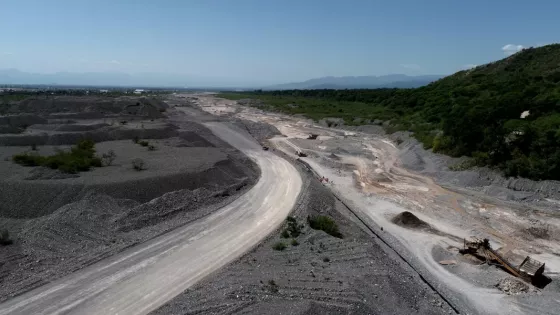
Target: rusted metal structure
<point x="531" y="269"/>
<point x="528" y="270"/>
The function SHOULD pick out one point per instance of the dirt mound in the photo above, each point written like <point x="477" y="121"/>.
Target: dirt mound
<point x="88" y="107"/>
<point x="258" y="130"/>
<point x="10" y="129"/>
<point x="408" y="220"/>
<point x="21" y="121"/>
<point x="68" y="127"/>
<point x="107" y="133"/>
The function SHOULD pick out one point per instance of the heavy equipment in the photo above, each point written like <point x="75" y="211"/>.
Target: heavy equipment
<point x="529" y="270"/>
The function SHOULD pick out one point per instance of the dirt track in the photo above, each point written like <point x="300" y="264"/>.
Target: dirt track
<point x="146" y="276"/>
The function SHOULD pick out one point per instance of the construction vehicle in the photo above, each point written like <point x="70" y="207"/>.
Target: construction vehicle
<point x="529" y="270"/>
<point x="300" y="153"/>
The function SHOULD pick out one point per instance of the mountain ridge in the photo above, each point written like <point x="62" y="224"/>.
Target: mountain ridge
<point x="358" y="82"/>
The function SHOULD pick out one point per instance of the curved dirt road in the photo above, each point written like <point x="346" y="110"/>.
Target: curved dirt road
<point x="146" y="276"/>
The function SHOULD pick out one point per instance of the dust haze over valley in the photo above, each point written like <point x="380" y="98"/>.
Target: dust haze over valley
<point x="279" y="158"/>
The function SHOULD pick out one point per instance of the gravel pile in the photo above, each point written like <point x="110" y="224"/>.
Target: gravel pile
<point x="513" y="286"/>
<point x="258" y="130"/>
<point x="68" y="127"/>
<point x="97" y="226"/>
<point x="21" y="120"/>
<point x="108" y="133"/>
<point x="410" y="221"/>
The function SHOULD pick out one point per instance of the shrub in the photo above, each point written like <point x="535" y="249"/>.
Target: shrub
<point x="295" y="242"/>
<point x="27" y="159"/>
<point x="272" y="286"/>
<point x="326" y="259"/>
<point x="293" y="229"/>
<point x="135" y="139"/>
<point x="279" y="246"/>
<point x="151" y="147"/>
<point x="108" y="158"/>
<point x="80" y="158"/>
<point x="144" y="143"/>
<point x="324" y="223"/>
<point x="33" y="147"/>
<point x="138" y="164"/>
<point x="5" y="238"/>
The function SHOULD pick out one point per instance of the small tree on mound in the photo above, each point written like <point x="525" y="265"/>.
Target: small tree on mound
<point x="138" y="164"/>
<point x="108" y="157"/>
<point x="279" y="246"/>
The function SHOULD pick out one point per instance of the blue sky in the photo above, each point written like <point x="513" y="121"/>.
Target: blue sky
<point x="269" y="41"/>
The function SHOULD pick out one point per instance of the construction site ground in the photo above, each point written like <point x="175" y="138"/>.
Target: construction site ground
<point x="382" y="176"/>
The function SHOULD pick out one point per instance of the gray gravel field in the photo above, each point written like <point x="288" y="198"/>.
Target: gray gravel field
<point x="61" y="223"/>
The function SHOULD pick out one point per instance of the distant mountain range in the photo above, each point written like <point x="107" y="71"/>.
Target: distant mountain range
<point x="362" y="82"/>
<point x="14" y="76"/>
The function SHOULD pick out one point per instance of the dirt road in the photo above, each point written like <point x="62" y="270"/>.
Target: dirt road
<point x="146" y="276"/>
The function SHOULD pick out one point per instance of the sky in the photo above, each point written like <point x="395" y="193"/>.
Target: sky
<point x="269" y="41"/>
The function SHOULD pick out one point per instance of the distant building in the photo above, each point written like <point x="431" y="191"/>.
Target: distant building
<point x="139" y="91"/>
<point x="103" y="91"/>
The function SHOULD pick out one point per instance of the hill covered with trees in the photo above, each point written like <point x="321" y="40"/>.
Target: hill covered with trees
<point x="505" y="114"/>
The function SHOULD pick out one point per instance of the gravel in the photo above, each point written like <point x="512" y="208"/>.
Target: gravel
<point x="321" y="275"/>
<point x="61" y="223"/>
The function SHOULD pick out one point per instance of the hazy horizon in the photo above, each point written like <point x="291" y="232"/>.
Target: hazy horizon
<point x="15" y="76"/>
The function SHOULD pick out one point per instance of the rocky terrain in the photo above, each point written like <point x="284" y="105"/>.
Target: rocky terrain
<point x="61" y="222"/>
<point x="424" y="206"/>
<point x="316" y="274"/>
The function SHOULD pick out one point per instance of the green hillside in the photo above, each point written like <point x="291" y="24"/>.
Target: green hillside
<point x="475" y="112"/>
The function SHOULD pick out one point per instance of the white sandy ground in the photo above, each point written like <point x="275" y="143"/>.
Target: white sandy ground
<point x="360" y="183"/>
<point x="146" y="276"/>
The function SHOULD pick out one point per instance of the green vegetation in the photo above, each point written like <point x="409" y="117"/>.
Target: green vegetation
<point x="293" y="229"/>
<point x="295" y="242"/>
<point x="279" y="246"/>
<point x="144" y="143"/>
<point x="272" y="286"/>
<point x="138" y="165"/>
<point x="79" y="159"/>
<point x="476" y="112"/>
<point x="5" y="238"/>
<point x="324" y="223"/>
